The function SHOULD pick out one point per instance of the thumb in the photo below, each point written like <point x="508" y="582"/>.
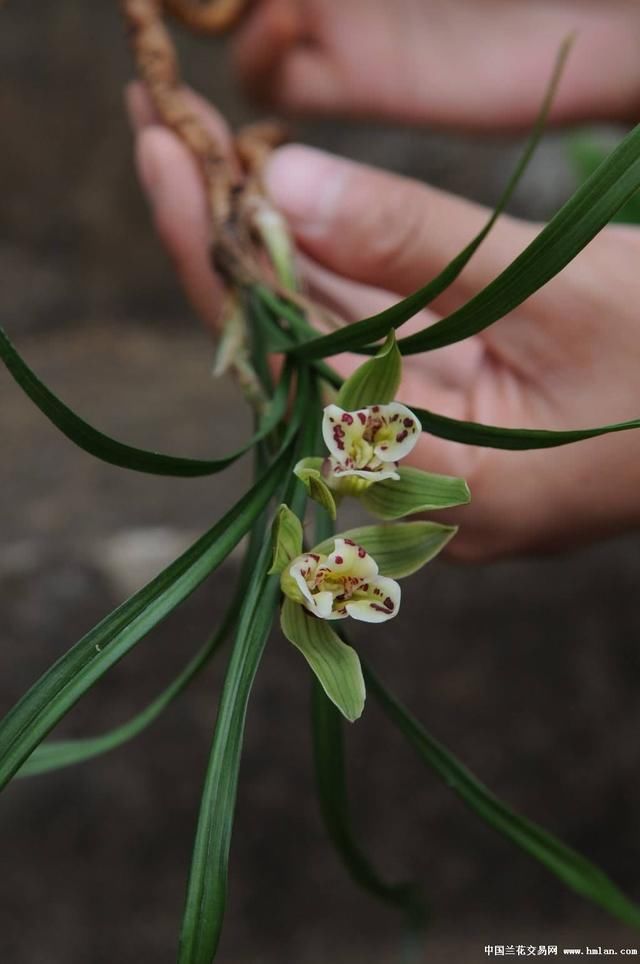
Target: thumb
<point x="380" y="228"/>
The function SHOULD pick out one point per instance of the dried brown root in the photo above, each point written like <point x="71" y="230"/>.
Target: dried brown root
<point x="213" y="17"/>
<point x="158" y="68"/>
<point x="245" y="226"/>
<point x="254" y="143"/>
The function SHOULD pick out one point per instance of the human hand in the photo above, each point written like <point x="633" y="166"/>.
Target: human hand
<point x="469" y="63"/>
<point x="567" y="358"/>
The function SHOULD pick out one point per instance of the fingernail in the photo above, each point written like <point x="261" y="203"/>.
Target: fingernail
<point x="307" y="185"/>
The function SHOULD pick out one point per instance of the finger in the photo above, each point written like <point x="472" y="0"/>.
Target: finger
<point x="141" y="113"/>
<point x="172" y="183"/>
<point x="450" y="369"/>
<point x="140" y="110"/>
<point x="385" y="230"/>
<point x="266" y="37"/>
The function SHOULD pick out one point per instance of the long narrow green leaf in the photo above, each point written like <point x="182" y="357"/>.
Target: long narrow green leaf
<point x="329" y="758"/>
<point x="586" y="154"/>
<point x="569" y="866"/>
<point x="331" y="784"/>
<point x="573" y="227"/>
<point x="491" y="436"/>
<point x="118" y="453"/>
<point x="73" y="674"/>
<point x="494" y="436"/>
<point x="207" y="888"/>
<point x="207" y="891"/>
<point x="55" y="754"/>
<point x="370" y="329"/>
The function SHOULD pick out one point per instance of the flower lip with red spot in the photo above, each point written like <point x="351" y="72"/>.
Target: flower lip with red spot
<point x="344" y="583"/>
<point x="369" y="442"/>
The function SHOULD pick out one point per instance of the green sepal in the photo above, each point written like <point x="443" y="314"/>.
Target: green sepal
<point x="415" y="491"/>
<point x="336" y="665"/>
<point x="376" y="382"/>
<point x="309" y="471"/>
<point x="399" y="550"/>
<point x="287" y="539"/>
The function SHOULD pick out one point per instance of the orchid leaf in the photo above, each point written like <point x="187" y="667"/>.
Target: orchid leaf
<point x="400" y="550"/>
<point x="329" y="759"/>
<point x="53" y="695"/>
<point x="565" y="236"/>
<point x="335" y="665"/>
<point x="109" y="450"/>
<point x="376" y="382"/>
<point x="415" y="491"/>
<point x="586" y="154"/>
<point x="566" y="864"/>
<point x="492" y="436"/>
<point x="331" y="782"/>
<point x="369" y="330"/>
<point x="56" y="754"/>
<point x="207" y="888"/>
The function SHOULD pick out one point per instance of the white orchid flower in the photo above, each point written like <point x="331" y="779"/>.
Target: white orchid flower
<point x="367" y="444"/>
<point x="344" y="583"/>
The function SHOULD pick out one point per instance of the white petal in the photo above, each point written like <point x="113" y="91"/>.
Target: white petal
<point x="380" y="603"/>
<point x="295" y="571"/>
<point x="391" y="590"/>
<point x="365" y="612"/>
<point x="406" y="432"/>
<point x="349" y="559"/>
<point x="342" y="432"/>
<point x="323" y="605"/>
<point x="371" y="475"/>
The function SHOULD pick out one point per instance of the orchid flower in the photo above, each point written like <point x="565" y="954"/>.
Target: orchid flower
<point x="344" y="583"/>
<point x="366" y="445"/>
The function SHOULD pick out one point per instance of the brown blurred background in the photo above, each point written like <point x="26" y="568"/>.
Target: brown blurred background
<point x="527" y="670"/>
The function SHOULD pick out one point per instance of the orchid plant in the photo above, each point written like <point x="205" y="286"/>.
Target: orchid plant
<point x="339" y="440"/>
